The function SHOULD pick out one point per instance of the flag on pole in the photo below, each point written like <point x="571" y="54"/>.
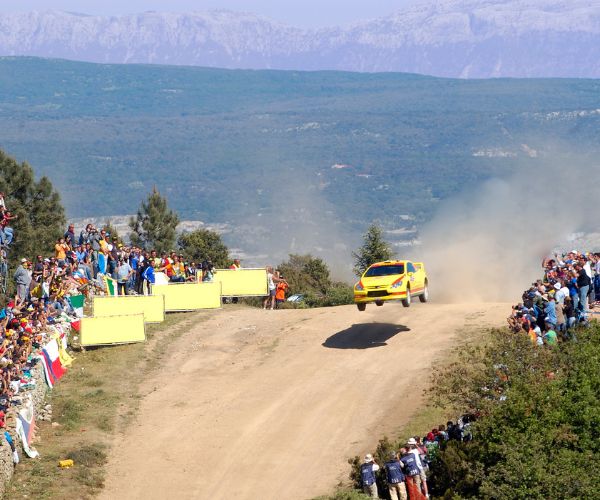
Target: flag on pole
<point x="111" y="286"/>
<point x="77" y="302"/>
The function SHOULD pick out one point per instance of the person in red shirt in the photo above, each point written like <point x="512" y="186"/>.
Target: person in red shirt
<point x="6" y="232"/>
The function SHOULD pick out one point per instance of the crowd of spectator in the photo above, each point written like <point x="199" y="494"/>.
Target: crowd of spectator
<point x="404" y="472"/>
<point x="36" y="313"/>
<point x="560" y="300"/>
<point x="97" y="253"/>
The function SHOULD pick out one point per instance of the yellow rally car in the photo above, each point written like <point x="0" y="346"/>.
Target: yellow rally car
<point x="391" y="280"/>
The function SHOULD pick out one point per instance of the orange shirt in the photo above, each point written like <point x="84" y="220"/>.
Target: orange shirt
<point x="280" y="293"/>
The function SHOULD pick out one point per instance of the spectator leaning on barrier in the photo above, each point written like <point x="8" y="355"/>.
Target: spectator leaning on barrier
<point x="367" y="475"/>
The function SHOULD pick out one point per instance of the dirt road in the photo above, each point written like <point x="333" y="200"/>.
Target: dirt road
<point x="255" y="404"/>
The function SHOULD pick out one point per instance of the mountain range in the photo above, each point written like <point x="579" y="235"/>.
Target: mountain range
<point x="450" y="38"/>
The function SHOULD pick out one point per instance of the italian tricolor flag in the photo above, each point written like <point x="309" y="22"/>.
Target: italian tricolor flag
<point x="77" y="302"/>
<point x="111" y="286"/>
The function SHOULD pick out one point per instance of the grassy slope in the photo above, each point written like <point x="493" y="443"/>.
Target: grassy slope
<point x="95" y="400"/>
<point x="223" y="144"/>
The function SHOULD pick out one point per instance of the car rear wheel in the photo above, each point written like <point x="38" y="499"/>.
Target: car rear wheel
<point x="424" y="297"/>
<point x="361" y="307"/>
<point x="406" y="301"/>
<point x="379" y="303"/>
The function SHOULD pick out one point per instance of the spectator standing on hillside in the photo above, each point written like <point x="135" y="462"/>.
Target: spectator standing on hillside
<point x="583" y="284"/>
<point x="84" y="235"/>
<point x="367" y="476"/>
<point x="123" y="272"/>
<point x="550" y="312"/>
<point x="269" y="302"/>
<point x="395" y="478"/>
<point x="412" y="448"/>
<point x="60" y="251"/>
<point x="280" y="292"/>
<point x="6" y="232"/>
<point x="70" y="236"/>
<point x="148" y="276"/>
<point x="411" y="468"/>
<point x="22" y="280"/>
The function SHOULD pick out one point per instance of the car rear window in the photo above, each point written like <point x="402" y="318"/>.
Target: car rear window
<point x="384" y="270"/>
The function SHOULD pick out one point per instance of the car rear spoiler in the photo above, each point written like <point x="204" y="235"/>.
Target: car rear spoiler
<point x="419" y="265"/>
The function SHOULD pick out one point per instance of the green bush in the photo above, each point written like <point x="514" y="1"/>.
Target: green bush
<point x="539" y="431"/>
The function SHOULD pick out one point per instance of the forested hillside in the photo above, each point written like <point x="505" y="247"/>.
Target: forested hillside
<point x="230" y="146"/>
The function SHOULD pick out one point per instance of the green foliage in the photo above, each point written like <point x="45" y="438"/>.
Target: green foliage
<point x="155" y="224"/>
<point x="539" y="434"/>
<point x="374" y="249"/>
<point x="339" y="294"/>
<point x="40" y="215"/>
<point x="310" y="276"/>
<point x="204" y="244"/>
<point x="211" y="139"/>
<point x="306" y="274"/>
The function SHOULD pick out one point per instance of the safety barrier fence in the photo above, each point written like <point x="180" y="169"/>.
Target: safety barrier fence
<point x="120" y="319"/>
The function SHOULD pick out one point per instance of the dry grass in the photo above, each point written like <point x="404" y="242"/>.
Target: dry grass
<point x="96" y="398"/>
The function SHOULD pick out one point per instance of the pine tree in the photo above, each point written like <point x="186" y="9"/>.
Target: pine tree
<point x="204" y="244"/>
<point x="40" y="215"/>
<point x="154" y="226"/>
<point x="374" y="249"/>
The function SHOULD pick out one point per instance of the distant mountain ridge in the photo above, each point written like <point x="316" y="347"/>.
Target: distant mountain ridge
<point x="451" y="38"/>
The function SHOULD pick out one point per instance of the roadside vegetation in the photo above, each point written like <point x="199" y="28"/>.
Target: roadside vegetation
<point x="92" y="405"/>
<point x="537" y="433"/>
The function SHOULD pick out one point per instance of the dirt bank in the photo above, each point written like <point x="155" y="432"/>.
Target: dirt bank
<point x="268" y="404"/>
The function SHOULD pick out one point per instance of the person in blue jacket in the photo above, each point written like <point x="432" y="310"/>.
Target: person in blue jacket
<point x="395" y="478"/>
<point x="367" y="476"/>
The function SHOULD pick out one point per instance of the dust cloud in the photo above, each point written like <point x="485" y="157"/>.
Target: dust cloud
<point x="488" y="244"/>
<point x="296" y="218"/>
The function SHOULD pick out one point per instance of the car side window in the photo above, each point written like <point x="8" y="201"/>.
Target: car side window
<point x="411" y="268"/>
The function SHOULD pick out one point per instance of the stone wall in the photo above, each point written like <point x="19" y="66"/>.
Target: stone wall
<point x="38" y="397"/>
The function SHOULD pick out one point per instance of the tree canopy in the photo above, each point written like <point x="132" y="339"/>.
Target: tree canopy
<point x="154" y="226"/>
<point x="204" y="244"/>
<point x="374" y="249"/>
<point x="37" y="206"/>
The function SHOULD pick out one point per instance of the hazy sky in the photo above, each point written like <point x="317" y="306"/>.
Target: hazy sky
<point x="297" y="12"/>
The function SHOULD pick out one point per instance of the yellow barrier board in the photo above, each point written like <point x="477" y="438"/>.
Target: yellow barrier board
<point x="243" y="282"/>
<point x="151" y="306"/>
<point x="106" y="330"/>
<point x="189" y="296"/>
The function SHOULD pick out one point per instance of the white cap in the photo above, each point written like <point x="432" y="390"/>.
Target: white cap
<point x="368" y="458"/>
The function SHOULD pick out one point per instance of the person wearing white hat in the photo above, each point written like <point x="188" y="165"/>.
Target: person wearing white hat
<point x="367" y="476"/>
<point x="412" y="448"/>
